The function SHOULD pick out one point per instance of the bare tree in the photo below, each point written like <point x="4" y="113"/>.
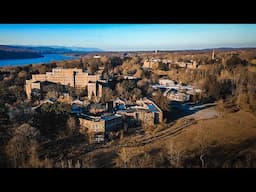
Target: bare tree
<point x="21" y="148"/>
<point x="71" y="126"/>
<point x="123" y="158"/>
<point x="203" y="145"/>
<point x="174" y="155"/>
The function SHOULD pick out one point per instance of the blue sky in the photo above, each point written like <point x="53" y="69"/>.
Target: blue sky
<point x="125" y="37"/>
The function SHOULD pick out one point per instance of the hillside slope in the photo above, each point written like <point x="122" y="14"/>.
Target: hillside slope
<point x="227" y="140"/>
<point x="9" y="52"/>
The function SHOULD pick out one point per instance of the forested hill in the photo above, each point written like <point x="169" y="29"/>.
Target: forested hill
<point x="19" y="52"/>
<point x="9" y="52"/>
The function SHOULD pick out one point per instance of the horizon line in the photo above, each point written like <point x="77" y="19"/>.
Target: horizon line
<point x="139" y="50"/>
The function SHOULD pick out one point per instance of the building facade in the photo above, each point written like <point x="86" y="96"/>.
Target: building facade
<point x="145" y="111"/>
<point x="151" y="63"/>
<point x="98" y="127"/>
<point x="166" y="82"/>
<point x="71" y="77"/>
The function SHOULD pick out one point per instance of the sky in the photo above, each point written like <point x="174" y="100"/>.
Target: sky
<point x="131" y="37"/>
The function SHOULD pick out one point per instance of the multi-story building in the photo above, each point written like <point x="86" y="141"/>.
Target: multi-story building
<point x="145" y="110"/>
<point x="188" y="64"/>
<point x="175" y="95"/>
<point x="96" y="88"/>
<point x="166" y="82"/>
<point x="71" y="77"/>
<point x="151" y="63"/>
<point x="98" y="127"/>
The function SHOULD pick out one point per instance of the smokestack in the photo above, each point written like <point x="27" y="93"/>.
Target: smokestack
<point x="74" y="78"/>
<point x="213" y="54"/>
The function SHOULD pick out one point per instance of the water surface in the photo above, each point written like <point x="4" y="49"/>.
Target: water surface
<point x="46" y="59"/>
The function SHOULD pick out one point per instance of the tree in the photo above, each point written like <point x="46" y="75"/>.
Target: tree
<point x="233" y="61"/>
<point x="26" y="130"/>
<point x="174" y="156"/>
<point x="72" y="126"/>
<point x="123" y="158"/>
<point x="120" y="90"/>
<point x="92" y="68"/>
<point x="142" y="83"/>
<point x="202" y="137"/>
<point x="139" y="73"/>
<point x="128" y="85"/>
<point x="162" y="101"/>
<point x="108" y="95"/>
<point x="19" y="146"/>
<point x="22" y="74"/>
<point x="16" y="151"/>
<point x="42" y="69"/>
<point x="136" y="93"/>
<point x="145" y="87"/>
<point x="117" y="70"/>
<point x="136" y="60"/>
<point x="18" y="91"/>
<point x="154" y="78"/>
<point x="115" y="61"/>
<point x="105" y="60"/>
<point x="51" y="119"/>
<point x="162" y="66"/>
<point x="52" y="94"/>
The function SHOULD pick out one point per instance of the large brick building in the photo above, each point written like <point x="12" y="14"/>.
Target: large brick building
<point x="71" y="77"/>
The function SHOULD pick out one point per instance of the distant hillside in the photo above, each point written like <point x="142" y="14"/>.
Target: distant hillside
<point x="22" y="52"/>
<point x="59" y="49"/>
<point x="10" y="52"/>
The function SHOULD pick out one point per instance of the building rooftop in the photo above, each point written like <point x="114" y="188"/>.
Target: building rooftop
<point x="110" y="117"/>
<point x="121" y="107"/>
<point x="106" y="117"/>
<point x="152" y="108"/>
<point x="91" y="118"/>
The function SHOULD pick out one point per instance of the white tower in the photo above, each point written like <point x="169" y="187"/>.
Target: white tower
<point x="213" y="54"/>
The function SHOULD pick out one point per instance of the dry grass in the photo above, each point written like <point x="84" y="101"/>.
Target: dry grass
<point x="229" y="128"/>
<point x="252" y="68"/>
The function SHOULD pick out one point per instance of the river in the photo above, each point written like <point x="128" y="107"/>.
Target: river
<point x="46" y="59"/>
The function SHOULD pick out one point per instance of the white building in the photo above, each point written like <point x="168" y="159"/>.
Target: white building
<point x="96" y="57"/>
<point x="176" y="95"/>
<point x="166" y="82"/>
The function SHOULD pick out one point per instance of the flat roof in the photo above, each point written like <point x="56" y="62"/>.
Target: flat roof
<point x="91" y="118"/>
<point x="36" y="81"/>
<point x="110" y="117"/>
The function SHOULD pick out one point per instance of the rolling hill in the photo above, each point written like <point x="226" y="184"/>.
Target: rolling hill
<point x="22" y="52"/>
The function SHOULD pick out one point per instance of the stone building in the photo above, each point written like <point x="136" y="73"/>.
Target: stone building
<point x="188" y="64"/>
<point x="96" y="88"/>
<point x="151" y="63"/>
<point x="97" y="127"/>
<point x="145" y="110"/>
